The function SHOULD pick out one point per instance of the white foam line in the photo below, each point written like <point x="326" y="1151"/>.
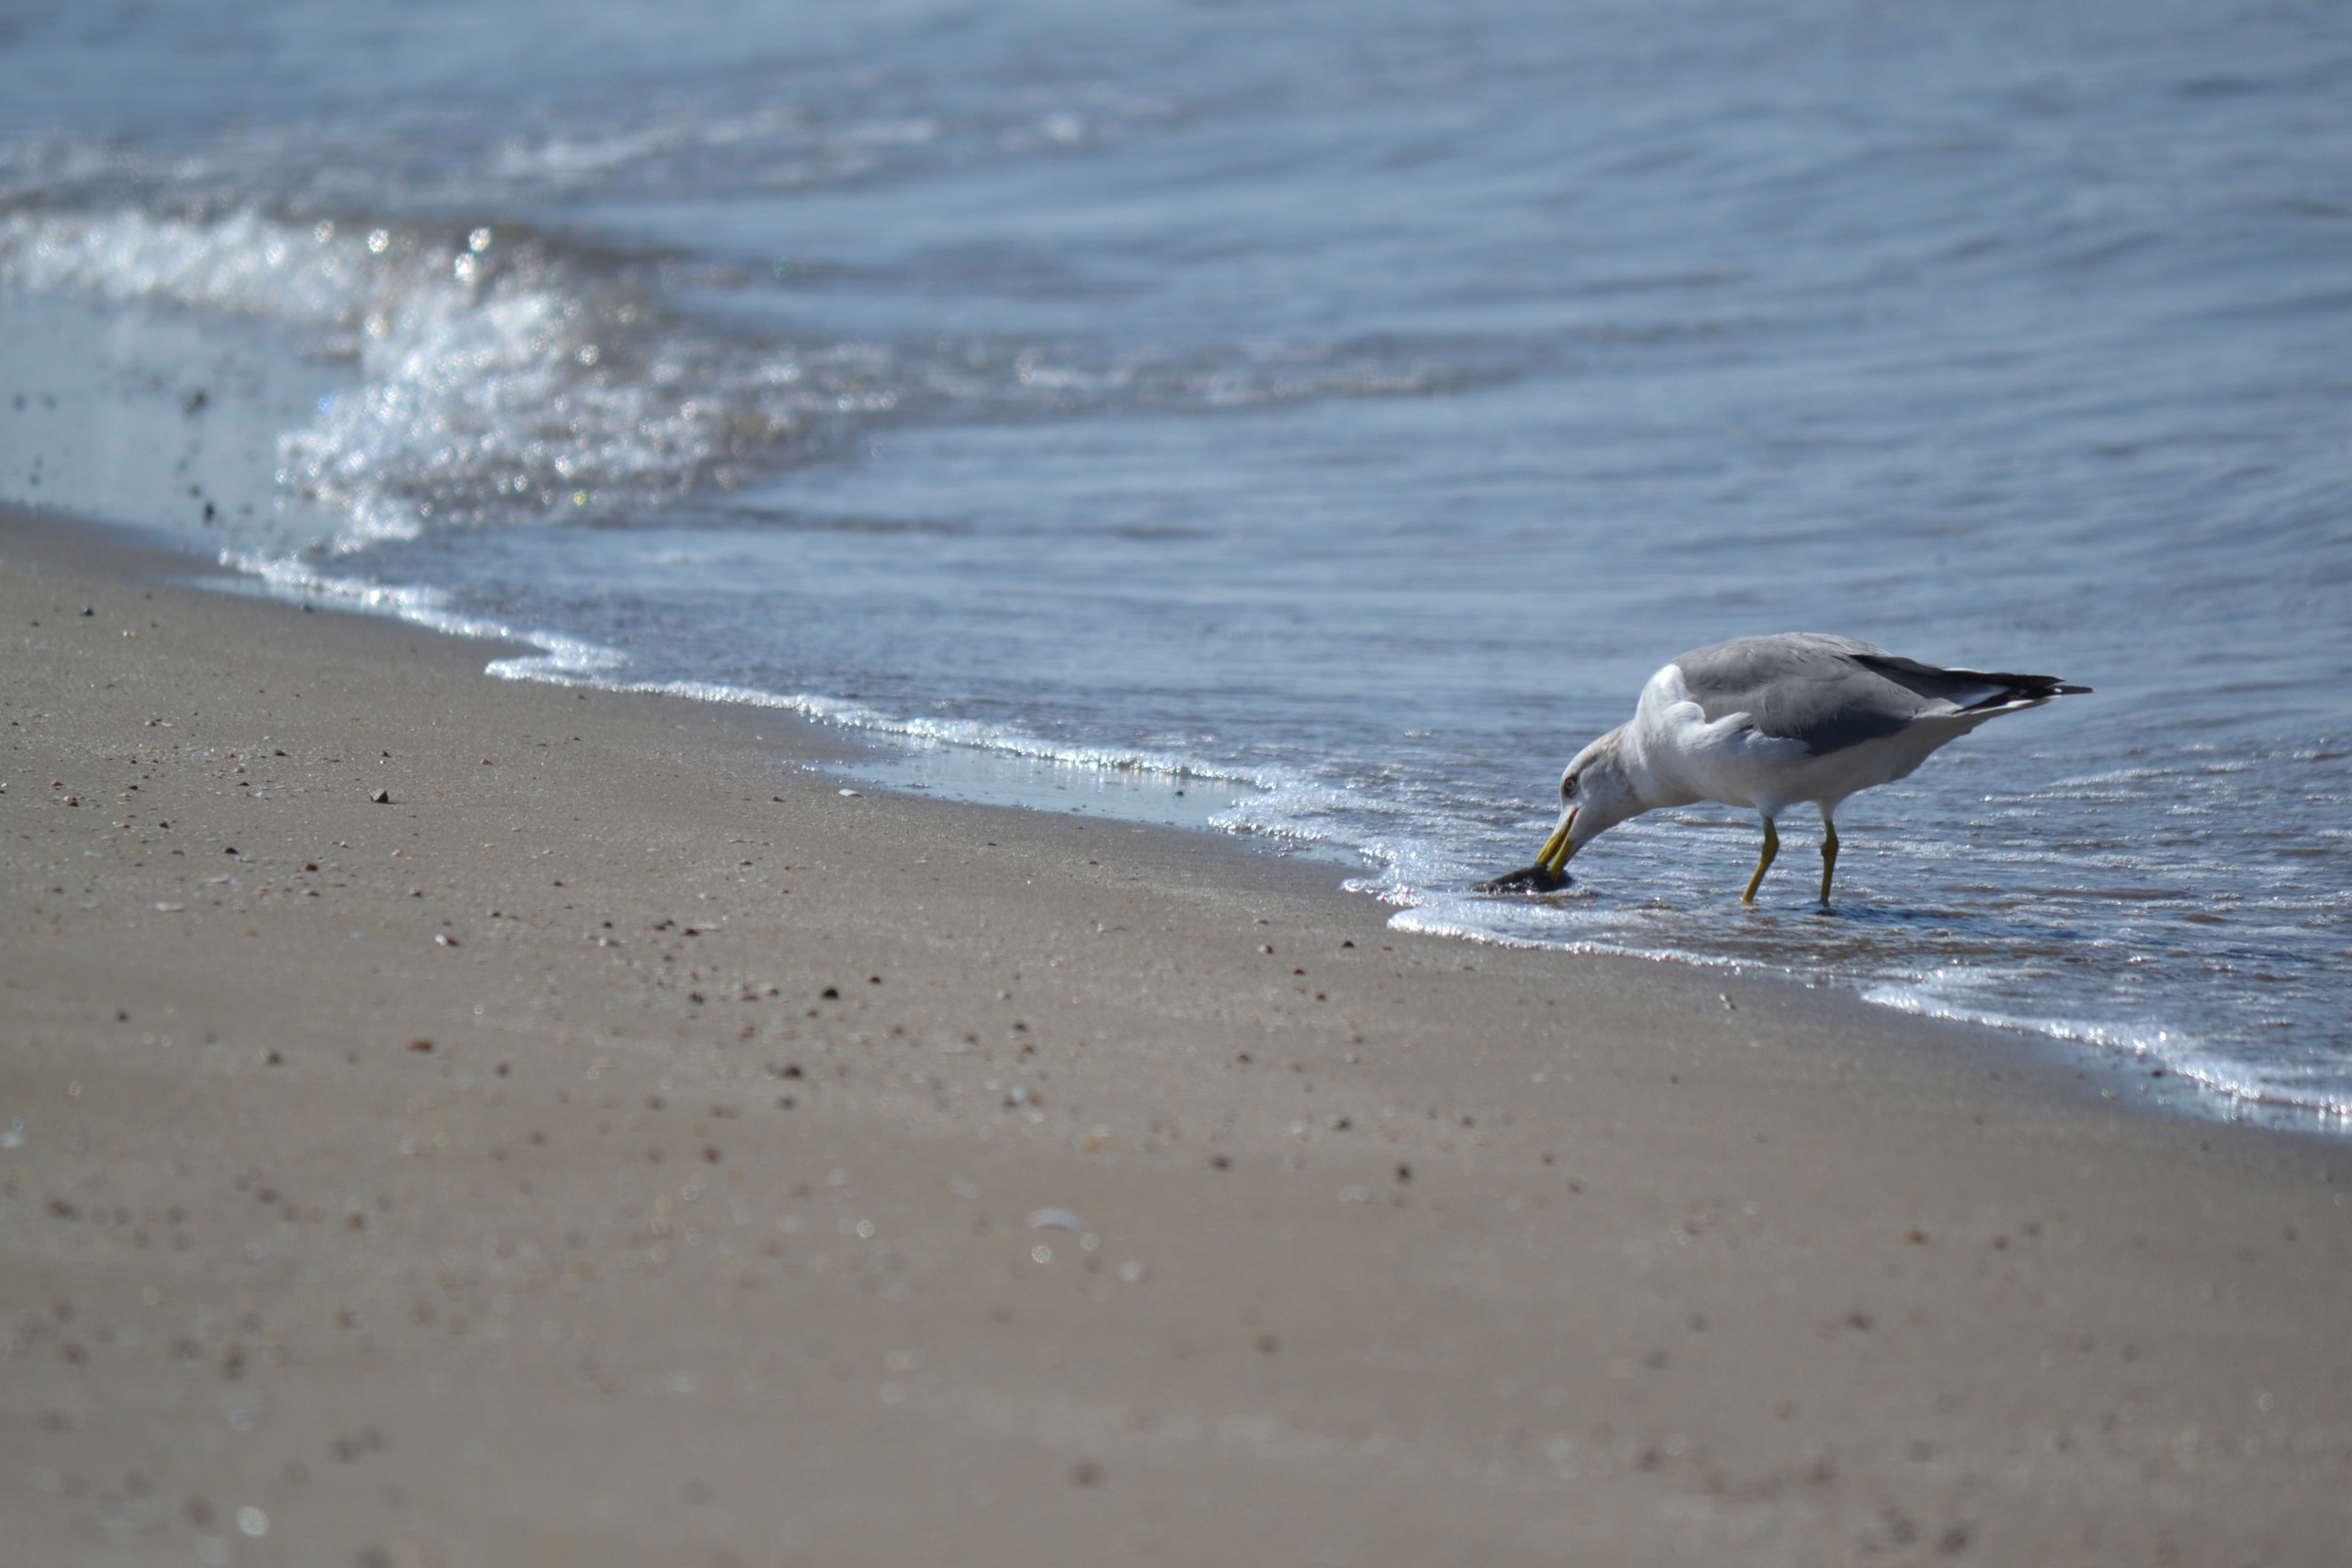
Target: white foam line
<point x="557" y="670"/>
<point x="424" y="607"/>
<point x="571" y="661"/>
<point x="1420" y="921"/>
<point x="2178" y="1053"/>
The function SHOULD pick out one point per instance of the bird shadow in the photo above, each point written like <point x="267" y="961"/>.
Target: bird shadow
<point x="1941" y="929"/>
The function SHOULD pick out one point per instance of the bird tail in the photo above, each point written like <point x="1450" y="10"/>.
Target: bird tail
<point x="2005" y="690"/>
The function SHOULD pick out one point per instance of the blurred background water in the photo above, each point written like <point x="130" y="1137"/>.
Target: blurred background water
<point x="1331" y="411"/>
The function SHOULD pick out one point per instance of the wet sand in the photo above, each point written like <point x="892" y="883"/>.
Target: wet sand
<point x="616" y="1145"/>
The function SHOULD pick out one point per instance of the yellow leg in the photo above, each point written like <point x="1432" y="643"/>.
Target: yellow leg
<point x="1772" y="848"/>
<point x="1829" y="856"/>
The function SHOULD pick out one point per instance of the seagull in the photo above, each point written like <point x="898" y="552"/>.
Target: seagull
<point x="1769" y="722"/>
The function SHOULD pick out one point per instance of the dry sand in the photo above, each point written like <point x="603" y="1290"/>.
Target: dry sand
<point x="701" y="1232"/>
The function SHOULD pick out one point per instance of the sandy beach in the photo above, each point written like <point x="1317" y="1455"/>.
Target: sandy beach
<point x="450" y="1122"/>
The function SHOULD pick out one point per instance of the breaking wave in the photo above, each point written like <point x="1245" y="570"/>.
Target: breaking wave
<point x="505" y="380"/>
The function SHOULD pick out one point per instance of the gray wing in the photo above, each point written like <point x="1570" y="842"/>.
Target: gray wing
<point x="1832" y="692"/>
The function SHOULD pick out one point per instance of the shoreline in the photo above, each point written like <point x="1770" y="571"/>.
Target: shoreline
<point x="888" y="761"/>
<point x="1402" y="1245"/>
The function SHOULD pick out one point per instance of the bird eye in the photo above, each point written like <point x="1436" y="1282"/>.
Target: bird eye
<point x="1567" y="788"/>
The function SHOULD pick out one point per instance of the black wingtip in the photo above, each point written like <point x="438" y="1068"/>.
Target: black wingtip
<point x="2010" y="688"/>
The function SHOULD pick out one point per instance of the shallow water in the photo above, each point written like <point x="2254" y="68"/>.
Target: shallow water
<point x="1335" y="412"/>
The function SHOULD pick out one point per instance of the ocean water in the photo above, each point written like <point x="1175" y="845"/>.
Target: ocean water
<point x="1313" y="420"/>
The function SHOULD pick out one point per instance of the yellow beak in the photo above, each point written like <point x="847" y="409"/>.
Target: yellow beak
<point x="1556" y="850"/>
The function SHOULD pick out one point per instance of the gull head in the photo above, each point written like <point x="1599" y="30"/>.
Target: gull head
<point x="1596" y="794"/>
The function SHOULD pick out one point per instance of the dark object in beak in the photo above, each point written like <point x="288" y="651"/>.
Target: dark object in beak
<point x="1536" y="878"/>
